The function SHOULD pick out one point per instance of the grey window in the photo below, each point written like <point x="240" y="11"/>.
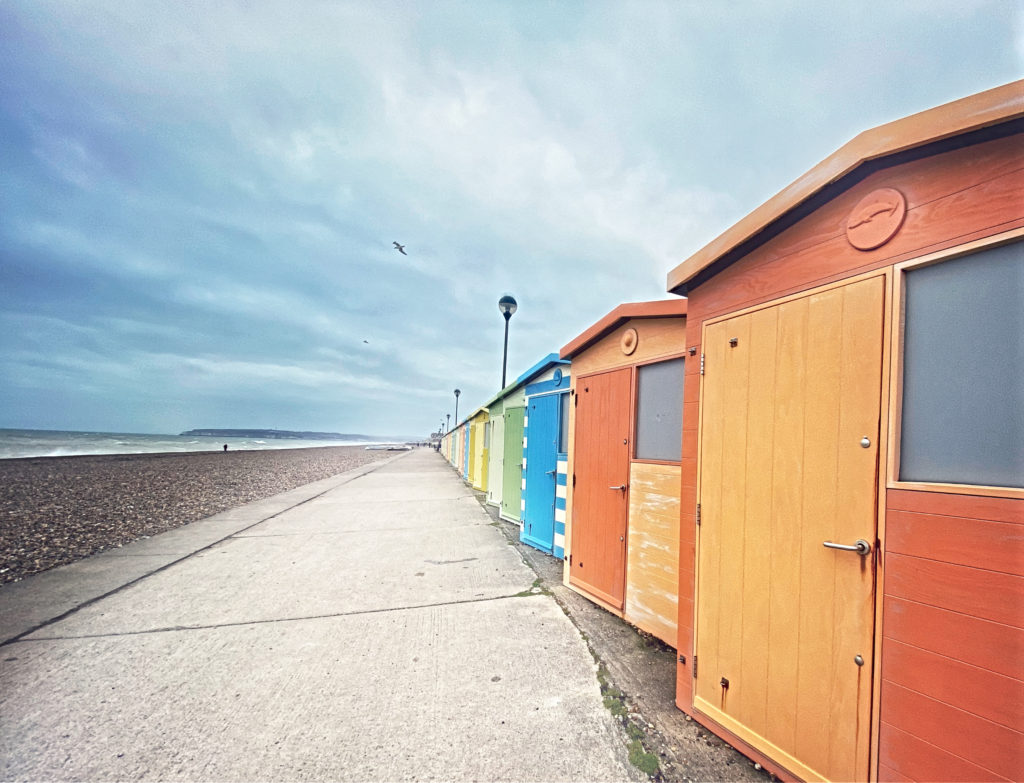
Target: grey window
<point x="563" y="424"/>
<point x="963" y="370"/>
<point x="659" y="411"/>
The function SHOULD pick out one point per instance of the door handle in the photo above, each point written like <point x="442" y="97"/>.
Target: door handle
<point x="550" y="472"/>
<point x="862" y="547"/>
<point x="621" y="487"/>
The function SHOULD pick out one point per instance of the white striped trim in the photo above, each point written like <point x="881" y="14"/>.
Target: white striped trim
<point x="559" y="541"/>
<point x="560" y="491"/>
<point x="524" y="485"/>
<point x="560" y="515"/>
<point x="522" y="505"/>
<point x="563" y="466"/>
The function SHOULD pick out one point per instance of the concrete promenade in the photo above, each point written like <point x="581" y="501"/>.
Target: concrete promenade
<point x="372" y="626"/>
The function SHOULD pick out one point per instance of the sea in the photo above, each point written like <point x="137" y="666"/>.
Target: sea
<point x="53" y="443"/>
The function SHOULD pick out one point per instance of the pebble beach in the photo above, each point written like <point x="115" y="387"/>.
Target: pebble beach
<point x="56" y="510"/>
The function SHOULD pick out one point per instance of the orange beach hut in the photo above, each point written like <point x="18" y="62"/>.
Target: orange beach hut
<point x="625" y="458"/>
<point x="851" y="594"/>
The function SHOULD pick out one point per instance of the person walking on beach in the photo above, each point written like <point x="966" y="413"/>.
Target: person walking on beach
<point x="225" y="447"/>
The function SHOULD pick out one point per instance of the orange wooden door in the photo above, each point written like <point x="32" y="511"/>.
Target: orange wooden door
<point x="789" y="431"/>
<point x="600" y="494"/>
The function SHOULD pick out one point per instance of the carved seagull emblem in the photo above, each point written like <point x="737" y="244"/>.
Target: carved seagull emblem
<point x="400" y="248"/>
<point x="871" y="211"/>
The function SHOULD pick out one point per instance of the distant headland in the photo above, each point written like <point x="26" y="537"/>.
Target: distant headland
<point x="281" y="435"/>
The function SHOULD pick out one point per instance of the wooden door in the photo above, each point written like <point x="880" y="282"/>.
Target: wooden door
<point x="541" y="463"/>
<point x="512" y="481"/>
<point x="601" y="494"/>
<point x="789" y="433"/>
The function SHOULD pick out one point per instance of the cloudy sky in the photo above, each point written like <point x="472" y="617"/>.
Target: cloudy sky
<point x="198" y="200"/>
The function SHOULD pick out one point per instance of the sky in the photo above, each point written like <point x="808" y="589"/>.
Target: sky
<point x="198" y="200"/>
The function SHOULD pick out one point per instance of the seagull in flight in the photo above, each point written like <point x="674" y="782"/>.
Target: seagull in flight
<point x="400" y="248"/>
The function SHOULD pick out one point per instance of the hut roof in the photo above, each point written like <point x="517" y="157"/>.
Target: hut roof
<point x="661" y="308"/>
<point x="976" y="118"/>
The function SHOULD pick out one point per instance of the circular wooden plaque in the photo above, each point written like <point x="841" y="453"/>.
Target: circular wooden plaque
<point x="876" y="218"/>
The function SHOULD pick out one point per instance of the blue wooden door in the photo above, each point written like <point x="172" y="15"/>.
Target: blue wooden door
<point x="541" y="463"/>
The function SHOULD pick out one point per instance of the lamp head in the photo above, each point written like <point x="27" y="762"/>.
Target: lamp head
<point x="507" y="305"/>
<point x="457" y="393"/>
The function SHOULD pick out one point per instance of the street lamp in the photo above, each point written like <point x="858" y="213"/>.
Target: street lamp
<point x="506" y="306"/>
<point x="448" y="426"/>
<point x="457" y="393"/>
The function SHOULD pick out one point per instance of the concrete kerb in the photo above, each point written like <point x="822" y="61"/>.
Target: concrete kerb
<point x="43" y="599"/>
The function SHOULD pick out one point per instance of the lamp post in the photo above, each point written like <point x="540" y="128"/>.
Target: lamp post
<point x="457" y="393"/>
<point x="506" y="306"/>
<point x="448" y="426"/>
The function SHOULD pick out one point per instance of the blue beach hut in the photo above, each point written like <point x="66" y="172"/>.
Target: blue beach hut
<point x="545" y="455"/>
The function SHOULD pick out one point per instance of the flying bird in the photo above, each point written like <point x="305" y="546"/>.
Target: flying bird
<point x="366" y="341"/>
<point x="400" y="248"/>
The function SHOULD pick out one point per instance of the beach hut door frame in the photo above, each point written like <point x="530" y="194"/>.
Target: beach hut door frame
<point x="784" y="624"/>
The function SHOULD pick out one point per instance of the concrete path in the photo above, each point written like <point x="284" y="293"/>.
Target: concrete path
<point x="371" y="626"/>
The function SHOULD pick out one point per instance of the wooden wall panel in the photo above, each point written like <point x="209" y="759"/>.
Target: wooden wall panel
<point x="983" y="643"/>
<point x="965" y="506"/>
<point x="995" y="697"/>
<point x="652" y="569"/>
<point x="658" y="338"/>
<point x="953" y="634"/>
<point x="914" y="759"/>
<point x="980" y="742"/>
<point x="996" y="546"/>
<point x="977" y="592"/>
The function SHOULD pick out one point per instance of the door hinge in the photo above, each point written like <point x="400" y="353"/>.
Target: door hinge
<point x="702" y="362"/>
<point x="574" y="481"/>
<point x="695" y="667"/>
<point x="698" y="514"/>
<point x="570" y="558"/>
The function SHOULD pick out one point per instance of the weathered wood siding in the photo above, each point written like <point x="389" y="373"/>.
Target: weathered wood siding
<point x="652" y="567"/>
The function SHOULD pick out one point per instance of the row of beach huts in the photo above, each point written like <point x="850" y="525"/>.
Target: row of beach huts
<point x="805" y="472"/>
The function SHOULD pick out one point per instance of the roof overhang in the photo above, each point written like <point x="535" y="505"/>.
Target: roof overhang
<point x="976" y="118"/>
<point x="662" y="308"/>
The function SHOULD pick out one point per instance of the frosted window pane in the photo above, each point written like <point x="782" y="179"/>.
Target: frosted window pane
<point x="659" y="411"/>
<point x="963" y="371"/>
<point x="563" y="425"/>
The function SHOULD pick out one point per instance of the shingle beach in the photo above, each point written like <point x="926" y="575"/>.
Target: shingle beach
<point x="56" y="510"/>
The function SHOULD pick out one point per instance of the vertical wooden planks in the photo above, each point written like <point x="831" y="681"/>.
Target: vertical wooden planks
<point x="752" y="708"/>
<point x="816" y="660"/>
<point x="731" y="585"/>
<point x="786" y="524"/>
<point x="857" y="467"/>
<point x="709" y="545"/>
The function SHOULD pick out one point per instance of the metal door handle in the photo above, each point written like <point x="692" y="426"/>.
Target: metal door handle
<point x="862" y="547"/>
<point x="550" y="472"/>
<point x="620" y="487"/>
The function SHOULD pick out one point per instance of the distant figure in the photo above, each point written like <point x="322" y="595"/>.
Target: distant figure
<point x="225" y="447"/>
<point x="400" y="248"/>
<point x="366" y="341"/>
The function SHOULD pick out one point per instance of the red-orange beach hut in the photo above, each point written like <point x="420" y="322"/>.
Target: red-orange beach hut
<point x="625" y="436"/>
<point x="852" y="559"/>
